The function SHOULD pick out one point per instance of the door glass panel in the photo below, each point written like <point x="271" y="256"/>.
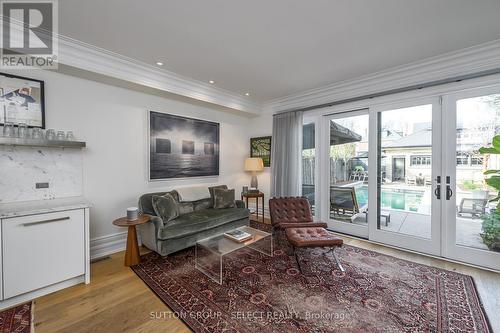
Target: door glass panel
<point x="405" y="171"/>
<point x="349" y="169"/>
<point x="478" y="121"/>
<point x="309" y="164"/>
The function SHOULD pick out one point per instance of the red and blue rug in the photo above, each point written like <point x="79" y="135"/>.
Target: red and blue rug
<point x="377" y="293"/>
<point x="16" y="319"/>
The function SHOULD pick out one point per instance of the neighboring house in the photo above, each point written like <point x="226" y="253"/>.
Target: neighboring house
<point x="411" y="155"/>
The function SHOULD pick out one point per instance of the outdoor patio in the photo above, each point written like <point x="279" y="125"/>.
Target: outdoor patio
<point x="419" y="225"/>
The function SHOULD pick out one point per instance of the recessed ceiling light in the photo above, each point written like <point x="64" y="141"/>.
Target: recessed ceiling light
<point x="211" y="81"/>
<point x="159" y="63"/>
<point x="247" y="94"/>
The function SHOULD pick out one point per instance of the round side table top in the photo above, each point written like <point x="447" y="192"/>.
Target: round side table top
<point x="123" y="222"/>
<point x="252" y="194"/>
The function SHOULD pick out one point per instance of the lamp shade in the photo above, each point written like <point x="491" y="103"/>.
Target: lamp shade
<point x="254" y="164"/>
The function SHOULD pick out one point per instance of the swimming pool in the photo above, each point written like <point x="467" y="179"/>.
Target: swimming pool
<point x="401" y="199"/>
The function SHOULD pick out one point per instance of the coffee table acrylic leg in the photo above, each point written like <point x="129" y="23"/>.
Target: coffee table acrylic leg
<point x="132" y="256"/>
<point x="208" y="263"/>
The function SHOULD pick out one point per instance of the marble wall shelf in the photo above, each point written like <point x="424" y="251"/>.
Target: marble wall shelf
<point x="40" y="143"/>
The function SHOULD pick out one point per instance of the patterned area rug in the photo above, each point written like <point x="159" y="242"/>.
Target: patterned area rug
<point x="16" y="319"/>
<point x="377" y="293"/>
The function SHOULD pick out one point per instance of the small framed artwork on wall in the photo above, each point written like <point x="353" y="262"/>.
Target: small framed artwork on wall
<point x="261" y="147"/>
<point x="21" y="101"/>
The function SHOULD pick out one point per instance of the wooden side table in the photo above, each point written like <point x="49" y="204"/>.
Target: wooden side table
<point x="256" y="196"/>
<point x="132" y="256"/>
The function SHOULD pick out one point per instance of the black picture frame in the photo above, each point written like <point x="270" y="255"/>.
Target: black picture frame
<point x="261" y="147"/>
<point x="41" y="102"/>
<point x="182" y="147"/>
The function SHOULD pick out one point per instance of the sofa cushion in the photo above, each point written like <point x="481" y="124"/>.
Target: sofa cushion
<point x="165" y="207"/>
<point x="223" y="198"/>
<point x="211" y="190"/>
<point x="146" y="201"/>
<point x="202" y="204"/>
<point x="205" y="219"/>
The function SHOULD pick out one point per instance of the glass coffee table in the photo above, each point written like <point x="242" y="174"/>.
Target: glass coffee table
<point x="210" y="252"/>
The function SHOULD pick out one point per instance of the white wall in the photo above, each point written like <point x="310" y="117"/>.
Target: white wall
<point x="113" y="122"/>
<point x="262" y="126"/>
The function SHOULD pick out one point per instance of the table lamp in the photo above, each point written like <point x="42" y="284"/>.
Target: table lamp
<point x="254" y="164"/>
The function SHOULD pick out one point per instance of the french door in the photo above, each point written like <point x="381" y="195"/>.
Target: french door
<point x="410" y="175"/>
<point x="471" y="228"/>
<point x="345" y="167"/>
<point x="405" y="150"/>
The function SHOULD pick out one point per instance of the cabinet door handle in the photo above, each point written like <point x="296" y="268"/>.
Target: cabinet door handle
<point x="45" y="221"/>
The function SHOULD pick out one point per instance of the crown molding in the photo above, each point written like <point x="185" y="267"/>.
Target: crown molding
<point x="466" y="61"/>
<point x="91" y="58"/>
<point x="75" y="53"/>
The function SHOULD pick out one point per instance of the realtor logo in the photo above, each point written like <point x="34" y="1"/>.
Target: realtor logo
<point x="29" y="34"/>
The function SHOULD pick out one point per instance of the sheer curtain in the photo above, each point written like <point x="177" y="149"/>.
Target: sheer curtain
<point x="286" y="154"/>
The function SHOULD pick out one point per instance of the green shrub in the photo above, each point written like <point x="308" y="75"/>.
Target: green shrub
<point x="491" y="230"/>
<point x="470" y="185"/>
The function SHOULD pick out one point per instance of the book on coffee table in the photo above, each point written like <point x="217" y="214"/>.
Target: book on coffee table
<point x="238" y="235"/>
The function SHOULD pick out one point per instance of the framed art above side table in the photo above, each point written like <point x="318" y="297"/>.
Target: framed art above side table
<point x="261" y="147"/>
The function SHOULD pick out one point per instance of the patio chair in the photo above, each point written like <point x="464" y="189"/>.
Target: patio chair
<point x="475" y="207"/>
<point x="343" y="202"/>
<point x="428" y="182"/>
<point x="411" y="180"/>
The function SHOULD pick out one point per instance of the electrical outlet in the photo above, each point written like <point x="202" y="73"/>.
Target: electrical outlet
<point x="42" y="185"/>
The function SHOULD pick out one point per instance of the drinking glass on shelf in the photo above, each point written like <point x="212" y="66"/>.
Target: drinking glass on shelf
<point x="70" y="136"/>
<point x="36" y="133"/>
<point x="50" y="134"/>
<point x="61" y="136"/>
<point x="8" y="130"/>
<point x="23" y="130"/>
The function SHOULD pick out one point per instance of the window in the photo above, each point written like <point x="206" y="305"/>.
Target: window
<point x="462" y="158"/>
<point x="476" y="160"/>
<point x="469" y="158"/>
<point x="308" y="162"/>
<point x="420" y="160"/>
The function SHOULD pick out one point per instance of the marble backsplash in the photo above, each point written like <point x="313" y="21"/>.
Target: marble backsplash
<point x="22" y="167"/>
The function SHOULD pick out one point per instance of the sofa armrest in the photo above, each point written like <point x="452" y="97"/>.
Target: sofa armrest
<point x="302" y="225"/>
<point x="149" y="232"/>
<point x="240" y="204"/>
<point x="156" y="220"/>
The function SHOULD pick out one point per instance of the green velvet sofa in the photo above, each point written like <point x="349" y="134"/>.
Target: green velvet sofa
<point x="197" y="220"/>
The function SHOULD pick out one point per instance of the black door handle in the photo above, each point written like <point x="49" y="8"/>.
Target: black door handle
<point x="437" y="192"/>
<point x="449" y="192"/>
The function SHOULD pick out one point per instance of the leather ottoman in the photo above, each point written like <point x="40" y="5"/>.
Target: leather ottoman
<point x="314" y="237"/>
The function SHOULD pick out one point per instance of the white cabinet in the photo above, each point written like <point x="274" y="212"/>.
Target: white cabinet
<point x="42" y="253"/>
<point x="41" y="250"/>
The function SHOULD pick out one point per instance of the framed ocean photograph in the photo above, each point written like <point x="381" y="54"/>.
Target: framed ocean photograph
<point x="21" y="101"/>
<point x="181" y="147"/>
<point x="261" y="147"/>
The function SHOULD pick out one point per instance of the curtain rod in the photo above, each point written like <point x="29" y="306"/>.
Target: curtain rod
<point x="398" y="90"/>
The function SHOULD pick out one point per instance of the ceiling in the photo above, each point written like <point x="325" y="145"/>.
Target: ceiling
<point x="272" y="49"/>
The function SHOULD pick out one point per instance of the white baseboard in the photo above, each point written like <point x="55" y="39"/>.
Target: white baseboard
<point x="109" y="244"/>
<point x="106" y="245"/>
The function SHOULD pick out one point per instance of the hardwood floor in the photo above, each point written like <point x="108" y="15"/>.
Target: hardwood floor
<point x="118" y="301"/>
